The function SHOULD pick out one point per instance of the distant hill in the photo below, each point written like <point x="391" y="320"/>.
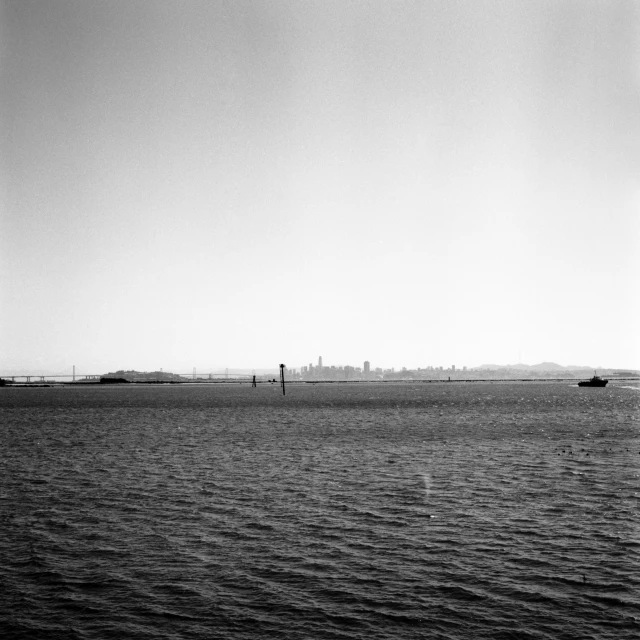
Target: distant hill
<point x="142" y="376"/>
<point x="548" y="366"/>
<point x="543" y="366"/>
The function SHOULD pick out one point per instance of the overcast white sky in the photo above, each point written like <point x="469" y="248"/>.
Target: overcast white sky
<point x="211" y="184"/>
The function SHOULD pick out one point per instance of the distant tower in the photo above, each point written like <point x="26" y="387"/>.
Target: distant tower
<point x="74" y="372"/>
<point x="320" y="362"/>
<point x="453" y="367"/>
<point x="194" y="373"/>
<point x="367" y="366"/>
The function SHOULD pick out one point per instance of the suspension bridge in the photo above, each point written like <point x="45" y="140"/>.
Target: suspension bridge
<point x="137" y="376"/>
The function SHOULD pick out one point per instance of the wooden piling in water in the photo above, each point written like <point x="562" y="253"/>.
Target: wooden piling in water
<point x="282" y="366"/>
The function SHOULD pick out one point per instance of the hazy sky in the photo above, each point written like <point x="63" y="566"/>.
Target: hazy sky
<point x="211" y="184"/>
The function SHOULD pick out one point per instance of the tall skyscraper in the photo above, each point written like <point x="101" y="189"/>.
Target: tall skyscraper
<point x="367" y="366"/>
<point x="320" y="362"/>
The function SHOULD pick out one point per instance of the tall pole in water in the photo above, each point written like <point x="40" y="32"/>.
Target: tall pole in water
<point x="282" y="366"/>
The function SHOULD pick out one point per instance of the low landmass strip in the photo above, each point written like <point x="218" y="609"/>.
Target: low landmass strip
<point x="332" y="373"/>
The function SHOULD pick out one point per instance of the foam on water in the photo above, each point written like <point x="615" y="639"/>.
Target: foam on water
<point x="338" y="511"/>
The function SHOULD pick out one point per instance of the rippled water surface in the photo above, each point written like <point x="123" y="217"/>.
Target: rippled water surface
<point x="338" y="511"/>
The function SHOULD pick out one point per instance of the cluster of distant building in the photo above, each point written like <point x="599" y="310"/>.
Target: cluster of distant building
<point x="320" y="371"/>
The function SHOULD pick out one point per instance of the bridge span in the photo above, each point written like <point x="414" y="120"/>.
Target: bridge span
<point x="92" y="377"/>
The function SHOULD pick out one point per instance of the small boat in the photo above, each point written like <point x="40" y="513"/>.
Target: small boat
<point x="596" y="381"/>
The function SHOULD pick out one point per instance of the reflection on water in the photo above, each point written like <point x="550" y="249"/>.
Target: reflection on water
<point x="338" y="511"/>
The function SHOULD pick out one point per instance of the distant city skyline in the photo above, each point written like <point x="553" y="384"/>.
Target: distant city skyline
<point x="328" y="373"/>
<point x="365" y="369"/>
<point x="245" y="183"/>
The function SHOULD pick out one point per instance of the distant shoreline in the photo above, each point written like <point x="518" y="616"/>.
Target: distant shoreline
<point x="243" y="381"/>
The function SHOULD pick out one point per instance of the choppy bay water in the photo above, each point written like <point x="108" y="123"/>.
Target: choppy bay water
<point x="338" y="511"/>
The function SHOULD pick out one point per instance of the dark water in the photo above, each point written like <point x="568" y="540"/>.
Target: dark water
<point x="339" y="511"/>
